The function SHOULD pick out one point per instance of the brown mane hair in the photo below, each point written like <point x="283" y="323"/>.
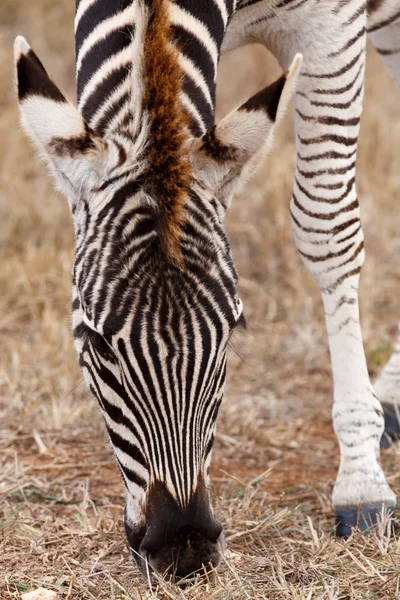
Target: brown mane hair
<point x="170" y="168"/>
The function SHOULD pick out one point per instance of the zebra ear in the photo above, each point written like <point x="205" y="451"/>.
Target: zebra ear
<point x="73" y="151"/>
<point x="234" y="148"/>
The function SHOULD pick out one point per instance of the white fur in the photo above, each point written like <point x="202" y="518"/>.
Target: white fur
<point x="43" y="119"/>
<point x="21" y="46"/>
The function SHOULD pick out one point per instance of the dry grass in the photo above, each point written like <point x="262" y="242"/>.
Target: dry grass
<point x="275" y="456"/>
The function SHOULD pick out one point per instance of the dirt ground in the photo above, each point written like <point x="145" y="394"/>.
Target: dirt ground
<point x="275" y="457"/>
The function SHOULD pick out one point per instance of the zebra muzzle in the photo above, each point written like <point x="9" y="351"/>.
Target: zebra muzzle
<point x="180" y="542"/>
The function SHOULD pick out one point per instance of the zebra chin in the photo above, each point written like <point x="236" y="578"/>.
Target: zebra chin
<point x="176" y="542"/>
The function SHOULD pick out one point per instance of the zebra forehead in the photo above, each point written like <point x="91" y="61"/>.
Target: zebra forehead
<point x="170" y="167"/>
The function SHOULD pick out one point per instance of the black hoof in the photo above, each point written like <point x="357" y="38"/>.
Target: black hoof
<point x="364" y="518"/>
<point x="392" y="426"/>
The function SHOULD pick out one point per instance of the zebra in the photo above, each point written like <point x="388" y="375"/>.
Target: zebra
<point x="154" y="285"/>
<point x="149" y="178"/>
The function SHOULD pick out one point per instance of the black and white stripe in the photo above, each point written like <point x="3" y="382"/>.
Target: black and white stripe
<point x="109" y="37"/>
<point x="170" y="326"/>
<point x="154" y="285"/>
<point x="324" y="208"/>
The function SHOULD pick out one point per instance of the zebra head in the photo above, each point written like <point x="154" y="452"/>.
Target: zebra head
<point x="155" y="296"/>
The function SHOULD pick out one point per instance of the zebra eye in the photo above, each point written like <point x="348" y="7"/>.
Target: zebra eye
<point x="99" y="342"/>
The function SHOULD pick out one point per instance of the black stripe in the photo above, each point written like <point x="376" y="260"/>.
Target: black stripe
<point x="340" y="5"/>
<point x="338" y="73"/>
<point x="328" y="256"/>
<point x="341" y="105"/>
<point x="351" y="235"/>
<point x="360" y="11"/>
<point x="284" y="3"/>
<point x="244" y="4"/>
<point x="196" y="95"/>
<point x="349" y="43"/>
<point x="208" y="14"/>
<point x="331" y="154"/>
<point x="343" y="89"/>
<point x="97" y="13"/>
<point x="325" y="216"/>
<point x="133" y="477"/>
<point x="330" y="171"/>
<point x="103" y="90"/>
<point x="388" y="52"/>
<point x="130" y="449"/>
<point x="192" y="47"/>
<point x="296" y="6"/>
<point x="329" y="120"/>
<point x="349" y="187"/>
<point x="330" y="232"/>
<point x="105" y="47"/>
<point x="330" y="137"/>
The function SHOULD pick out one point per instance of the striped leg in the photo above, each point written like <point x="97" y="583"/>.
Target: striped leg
<point x="328" y="234"/>
<point x="385" y="34"/>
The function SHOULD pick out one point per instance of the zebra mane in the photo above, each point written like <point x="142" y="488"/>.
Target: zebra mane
<point x="169" y="166"/>
<point x="152" y="64"/>
<point x="140" y="92"/>
<point x="111" y="41"/>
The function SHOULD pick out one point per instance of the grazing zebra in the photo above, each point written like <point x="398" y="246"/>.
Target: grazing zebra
<point x="154" y="286"/>
<point x="149" y="178"/>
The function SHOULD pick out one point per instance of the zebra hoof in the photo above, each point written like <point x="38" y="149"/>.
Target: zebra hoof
<point x="391" y="433"/>
<point x="365" y="519"/>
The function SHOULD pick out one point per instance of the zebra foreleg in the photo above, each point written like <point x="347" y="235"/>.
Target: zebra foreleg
<point x="329" y="238"/>
<point x="385" y="35"/>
